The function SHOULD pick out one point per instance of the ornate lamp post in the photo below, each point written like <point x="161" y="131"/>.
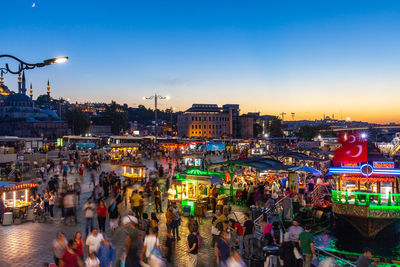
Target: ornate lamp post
<point x="28" y="66"/>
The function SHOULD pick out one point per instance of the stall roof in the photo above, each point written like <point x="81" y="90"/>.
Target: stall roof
<point x="6" y="186"/>
<point x="136" y="165"/>
<point x="300" y="156"/>
<point x="256" y="162"/>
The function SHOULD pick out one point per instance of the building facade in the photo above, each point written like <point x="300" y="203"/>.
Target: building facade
<point x="209" y="121"/>
<point x="20" y="117"/>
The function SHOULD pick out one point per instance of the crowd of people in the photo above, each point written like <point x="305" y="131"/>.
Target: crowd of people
<point x="110" y="207"/>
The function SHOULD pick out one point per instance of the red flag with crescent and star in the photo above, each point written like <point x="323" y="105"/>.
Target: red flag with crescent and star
<point x="353" y="149"/>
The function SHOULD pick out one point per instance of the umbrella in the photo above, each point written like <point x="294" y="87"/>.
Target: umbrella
<point x="306" y="169"/>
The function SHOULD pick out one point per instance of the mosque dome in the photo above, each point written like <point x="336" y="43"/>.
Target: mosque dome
<point x="18" y="100"/>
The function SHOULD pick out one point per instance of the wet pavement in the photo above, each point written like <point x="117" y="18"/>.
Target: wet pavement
<point x="29" y="243"/>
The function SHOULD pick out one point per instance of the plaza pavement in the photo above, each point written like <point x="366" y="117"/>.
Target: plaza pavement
<point x="29" y="243"/>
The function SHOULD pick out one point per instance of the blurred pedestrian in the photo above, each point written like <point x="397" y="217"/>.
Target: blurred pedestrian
<point x="92" y="260"/>
<point x="79" y="244"/>
<point x="102" y="215"/>
<point x="113" y="215"/>
<point x="192" y="245"/>
<point x="88" y="213"/>
<point x="106" y="253"/>
<point x="59" y="245"/>
<point x="70" y="258"/>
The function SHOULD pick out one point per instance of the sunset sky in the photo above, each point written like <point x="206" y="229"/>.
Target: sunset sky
<point x="307" y="57"/>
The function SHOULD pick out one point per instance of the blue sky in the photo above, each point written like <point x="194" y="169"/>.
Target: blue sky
<point x="307" y="57"/>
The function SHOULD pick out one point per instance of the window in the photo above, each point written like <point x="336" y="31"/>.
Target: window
<point x="205" y="126"/>
<point x="205" y="118"/>
<point x="192" y="118"/>
<point x="209" y="118"/>
<point x="209" y="126"/>
<point x="213" y="126"/>
<point x="192" y="126"/>
<point x="209" y="132"/>
<point x="213" y="118"/>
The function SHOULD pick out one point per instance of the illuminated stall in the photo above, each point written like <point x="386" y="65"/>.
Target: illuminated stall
<point x="367" y="195"/>
<point x="16" y="196"/>
<point x="118" y="151"/>
<point x="193" y="191"/>
<point x="134" y="172"/>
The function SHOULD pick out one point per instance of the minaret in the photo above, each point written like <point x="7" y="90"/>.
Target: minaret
<point x="23" y="88"/>
<point x="1" y="79"/>
<point x="48" y="88"/>
<point x="19" y="83"/>
<point x="31" y="92"/>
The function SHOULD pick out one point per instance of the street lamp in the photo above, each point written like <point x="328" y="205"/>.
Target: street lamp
<point x="28" y="66"/>
<point x="155" y="97"/>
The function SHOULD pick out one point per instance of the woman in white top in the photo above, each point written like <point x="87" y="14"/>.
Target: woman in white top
<point x="150" y="241"/>
<point x="92" y="261"/>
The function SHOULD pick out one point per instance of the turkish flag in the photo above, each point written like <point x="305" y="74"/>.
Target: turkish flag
<point x="353" y="149"/>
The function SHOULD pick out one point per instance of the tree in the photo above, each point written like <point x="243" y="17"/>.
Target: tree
<point x="43" y="100"/>
<point x="78" y="121"/>
<point x="275" y="128"/>
<point x="308" y="132"/>
<point x="116" y="116"/>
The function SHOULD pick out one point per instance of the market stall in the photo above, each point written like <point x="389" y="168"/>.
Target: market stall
<point x="134" y="172"/>
<point x="16" y="197"/>
<point x="124" y="150"/>
<point x="193" y="192"/>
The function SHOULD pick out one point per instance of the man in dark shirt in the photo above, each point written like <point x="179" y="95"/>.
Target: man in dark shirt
<point x="364" y="260"/>
<point x="248" y="228"/>
<point x="192" y="244"/>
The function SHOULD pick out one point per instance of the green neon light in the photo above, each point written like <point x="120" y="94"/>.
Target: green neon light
<point x="189" y="203"/>
<point x="386" y="208"/>
<point x="195" y="171"/>
<point x="364" y="199"/>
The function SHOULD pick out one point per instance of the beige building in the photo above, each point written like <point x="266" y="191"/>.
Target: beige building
<point x="209" y="121"/>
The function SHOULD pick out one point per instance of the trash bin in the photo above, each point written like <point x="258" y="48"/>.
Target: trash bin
<point x="8" y="218"/>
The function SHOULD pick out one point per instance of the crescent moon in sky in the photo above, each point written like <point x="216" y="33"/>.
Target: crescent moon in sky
<point x="360" y="149"/>
<point x="353" y="139"/>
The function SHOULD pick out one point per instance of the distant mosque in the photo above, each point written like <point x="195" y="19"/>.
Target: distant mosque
<point x="20" y="117"/>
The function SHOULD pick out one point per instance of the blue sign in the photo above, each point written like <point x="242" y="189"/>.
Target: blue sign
<point x="215" y="146"/>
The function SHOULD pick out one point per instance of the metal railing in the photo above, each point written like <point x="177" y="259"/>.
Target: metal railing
<point x="325" y="253"/>
<point x="366" y="199"/>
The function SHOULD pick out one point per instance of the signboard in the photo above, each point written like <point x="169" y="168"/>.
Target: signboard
<point x="350" y="164"/>
<point x="21" y="158"/>
<point x="215" y="146"/>
<point x="383" y="164"/>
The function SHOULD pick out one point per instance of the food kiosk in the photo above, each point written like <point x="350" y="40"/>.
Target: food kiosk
<point x="16" y="197"/>
<point x="134" y="172"/>
<point x="193" y="192"/>
<point x="122" y="150"/>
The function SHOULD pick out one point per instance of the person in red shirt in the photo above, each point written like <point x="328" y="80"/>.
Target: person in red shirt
<point x="70" y="258"/>
<point x="79" y="244"/>
<point x="237" y="228"/>
<point x="102" y="215"/>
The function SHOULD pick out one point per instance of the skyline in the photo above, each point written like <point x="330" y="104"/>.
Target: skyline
<point x="311" y="59"/>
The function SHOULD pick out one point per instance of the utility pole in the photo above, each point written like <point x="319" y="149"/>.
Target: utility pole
<point x="155" y="97"/>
